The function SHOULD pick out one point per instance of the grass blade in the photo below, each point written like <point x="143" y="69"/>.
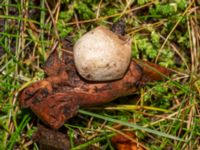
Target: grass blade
<point x="130" y="125"/>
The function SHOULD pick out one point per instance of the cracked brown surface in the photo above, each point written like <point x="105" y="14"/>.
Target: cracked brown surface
<point x="58" y="97"/>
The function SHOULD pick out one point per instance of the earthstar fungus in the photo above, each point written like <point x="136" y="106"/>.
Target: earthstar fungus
<point x="99" y="71"/>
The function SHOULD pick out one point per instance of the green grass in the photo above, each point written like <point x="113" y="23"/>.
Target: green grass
<point x="162" y="114"/>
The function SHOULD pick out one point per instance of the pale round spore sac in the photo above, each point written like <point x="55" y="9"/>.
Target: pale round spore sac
<point x="101" y="55"/>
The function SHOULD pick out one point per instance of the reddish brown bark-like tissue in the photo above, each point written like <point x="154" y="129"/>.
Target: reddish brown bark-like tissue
<point x="58" y="97"/>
